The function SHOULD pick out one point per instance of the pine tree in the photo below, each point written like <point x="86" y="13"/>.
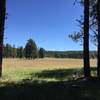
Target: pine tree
<point x="20" y="52"/>
<point x="98" y="23"/>
<point x="86" y="40"/>
<point x="30" y="49"/>
<point x="2" y="22"/>
<point x="41" y="53"/>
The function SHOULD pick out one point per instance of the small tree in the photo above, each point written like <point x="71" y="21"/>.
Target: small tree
<point x="14" y="52"/>
<point x="30" y="49"/>
<point x="41" y="53"/>
<point x="20" y="52"/>
<point x="8" y="51"/>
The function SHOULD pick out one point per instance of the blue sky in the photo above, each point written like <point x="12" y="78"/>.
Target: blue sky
<point x="48" y="22"/>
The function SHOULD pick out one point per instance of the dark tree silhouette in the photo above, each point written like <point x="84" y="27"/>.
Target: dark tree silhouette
<point x="78" y="36"/>
<point x="86" y="40"/>
<point x="41" y="53"/>
<point x="2" y="21"/>
<point x="98" y="22"/>
<point x="30" y="49"/>
<point x="20" y="52"/>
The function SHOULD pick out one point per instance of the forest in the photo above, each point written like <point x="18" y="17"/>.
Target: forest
<point x="21" y="52"/>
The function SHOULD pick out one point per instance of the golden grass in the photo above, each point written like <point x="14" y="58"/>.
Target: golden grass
<point x="46" y="63"/>
<point x="18" y="69"/>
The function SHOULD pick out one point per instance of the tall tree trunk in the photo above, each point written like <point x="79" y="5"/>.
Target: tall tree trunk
<point x="87" y="73"/>
<point x="2" y="22"/>
<point x="98" y="20"/>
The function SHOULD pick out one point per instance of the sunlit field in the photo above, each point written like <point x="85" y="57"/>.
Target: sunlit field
<point x="47" y="79"/>
<point x="46" y="63"/>
<point x="18" y="69"/>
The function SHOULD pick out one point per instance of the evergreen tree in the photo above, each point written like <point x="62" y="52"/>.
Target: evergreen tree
<point x="8" y="51"/>
<point x="20" y="52"/>
<point x="86" y="40"/>
<point x="41" y="53"/>
<point x="84" y="35"/>
<point x="78" y="36"/>
<point x="14" y="51"/>
<point x="2" y="22"/>
<point x="98" y="23"/>
<point x="30" y="49"/>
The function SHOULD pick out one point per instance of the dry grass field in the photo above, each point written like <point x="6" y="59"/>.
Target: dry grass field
<point x="18" y="69"/>
<point x="46" y="63"/>
<point x="47" y="79"/>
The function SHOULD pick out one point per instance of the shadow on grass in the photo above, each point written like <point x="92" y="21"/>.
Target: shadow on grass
<point x="62" y="74"/>
<point x="93" y="68"/>
<point x="60" y="90"/>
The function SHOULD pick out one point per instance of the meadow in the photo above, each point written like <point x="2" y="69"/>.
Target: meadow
<point x="47" y="79"/>
<point x="18" y="69"/>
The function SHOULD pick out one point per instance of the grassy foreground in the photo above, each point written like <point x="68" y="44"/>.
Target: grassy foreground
<point x="46" y="69"/>
<point x="47" y="79"/>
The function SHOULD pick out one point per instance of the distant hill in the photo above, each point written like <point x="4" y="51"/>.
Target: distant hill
<point x="69" y="54"/>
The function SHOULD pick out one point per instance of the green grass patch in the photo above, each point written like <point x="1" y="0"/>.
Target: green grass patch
<point x="55" y="84"/>
<point x="19" y="74"/>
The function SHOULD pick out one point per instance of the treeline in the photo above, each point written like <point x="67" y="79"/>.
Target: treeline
<point x="24" y="52"/>
<point x="30" y="51"/>
<point x="69" y="54"/>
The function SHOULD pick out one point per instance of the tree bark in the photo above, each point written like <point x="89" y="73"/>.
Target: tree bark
<point x="98" y="21"/>
<point x="87" y="73"/>
<point x="2" y="22"/>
